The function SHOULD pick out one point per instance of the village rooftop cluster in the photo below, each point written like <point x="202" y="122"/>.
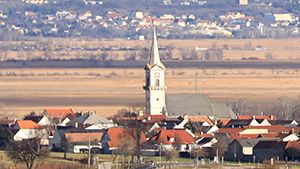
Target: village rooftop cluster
<point x="245" y="139"/>
<point x="112" y="22"/>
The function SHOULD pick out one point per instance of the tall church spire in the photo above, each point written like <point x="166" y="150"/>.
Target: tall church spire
<point x="154" y="55"/>
<point x="155" y="82"/>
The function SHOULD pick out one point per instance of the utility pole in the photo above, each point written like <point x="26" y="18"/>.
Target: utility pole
<point x="89" y="159"/>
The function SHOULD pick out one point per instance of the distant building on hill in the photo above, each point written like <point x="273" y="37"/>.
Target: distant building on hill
<point x="243" y="2"/>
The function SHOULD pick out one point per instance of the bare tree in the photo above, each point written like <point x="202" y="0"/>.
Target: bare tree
<point x="144" y="53"/>
<point x="135" y="133"/>
<point x="240" y="107"/>
<point x="65" y="146"/>
<point x="214" y="53"/>
<point x="199" y="152"/>
<point x="170" y="154"/>
<point x="220" y="148"/>
<point x="28" y="151"/>
<point x="285" y="108"/>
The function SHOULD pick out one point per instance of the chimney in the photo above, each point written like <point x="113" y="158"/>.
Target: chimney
<point x="293" y="131"/>
<point x="272" y="117"/>
<point x="254" y="117"/>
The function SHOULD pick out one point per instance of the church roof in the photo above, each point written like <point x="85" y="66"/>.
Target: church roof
<point x="196" y="105"/>
<point x="191" y="104"/>
<point x="222" y="110"/>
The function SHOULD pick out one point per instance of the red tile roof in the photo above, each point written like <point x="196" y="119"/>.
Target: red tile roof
<point x="233" y="132"/>
<point x="248" y="136"/>
<point x="174" y="137"/>
<point x="293" y="144"/>
<point x="201" y="119"/>
<point x="224" y="121"/>
<point x="154" y="118"/>
<point x="58" y="113"/>
<point x="116" y="134"/>
<point x="262" y="117"/>
<point x="204" y="135"/>
<point x="83" y="137"/>
<point x="27" y="124"/>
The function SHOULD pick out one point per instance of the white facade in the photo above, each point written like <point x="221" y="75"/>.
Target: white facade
<point x="155" y="82"/>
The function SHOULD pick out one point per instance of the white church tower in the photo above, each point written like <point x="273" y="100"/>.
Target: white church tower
<point x="155" y="82"/>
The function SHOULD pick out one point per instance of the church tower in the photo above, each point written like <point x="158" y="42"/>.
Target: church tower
<point x="155" y="82"/>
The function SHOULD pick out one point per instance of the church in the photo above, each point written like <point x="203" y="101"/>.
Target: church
<point x="158" y="103"/>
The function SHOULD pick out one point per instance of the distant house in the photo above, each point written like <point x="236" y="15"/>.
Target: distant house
<point x="58" y="116"/>
<point x="205" y="140"/>
<point x="113" y="139"/>
<point x="5" y="132"/>
<point x="79" y="142"/>
<point x="96" y="122"/>
<point x="284" y="17"/>
<point x="28" y="129"/>
<point x="249" y="150"/>
<point x="243" y="2"/>
<point x="284" y="122"/>
<point x="181" y="140"/>
<point x="205" y="120"/>
<point x="93" y="2"/>
<point x="58" y="137"/>
<point x="292" y="150"/>
<point x="257" y="117"/>
<point x="267" y="149"/>
<point x="36" y="2"/>
<point x="40" y="120"/>
<point x="241" y="150"/>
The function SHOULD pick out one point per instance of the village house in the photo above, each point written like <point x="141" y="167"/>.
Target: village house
<point x="179" y="139"/>
<point x="77" y="142"/>
<point x="59" y="116"/>
<point x="28" y="129"/>
<point x="113" y="139"/>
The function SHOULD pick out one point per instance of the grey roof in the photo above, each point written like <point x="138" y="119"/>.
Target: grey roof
<point x="222" y="110"/>
<point x="248" y="142"/>
<point x="238" y="123"/>
<point x="195" y="105"/>
<point x="191" y="104"/>
<point x="34" y="118"/>
<point x="96" y="119"/>
<point x="253" y="142"/>
<point x="80" y="119"/>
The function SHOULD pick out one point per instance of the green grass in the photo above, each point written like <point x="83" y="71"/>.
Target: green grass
<point x="75" y="158"/>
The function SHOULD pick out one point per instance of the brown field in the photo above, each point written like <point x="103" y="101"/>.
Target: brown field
<point x="108" y="90"/>
<point x="235" y="49"/>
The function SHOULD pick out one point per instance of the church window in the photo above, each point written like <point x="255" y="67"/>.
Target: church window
<point x="157" y="83"/>
<point x="156" y="75"/>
